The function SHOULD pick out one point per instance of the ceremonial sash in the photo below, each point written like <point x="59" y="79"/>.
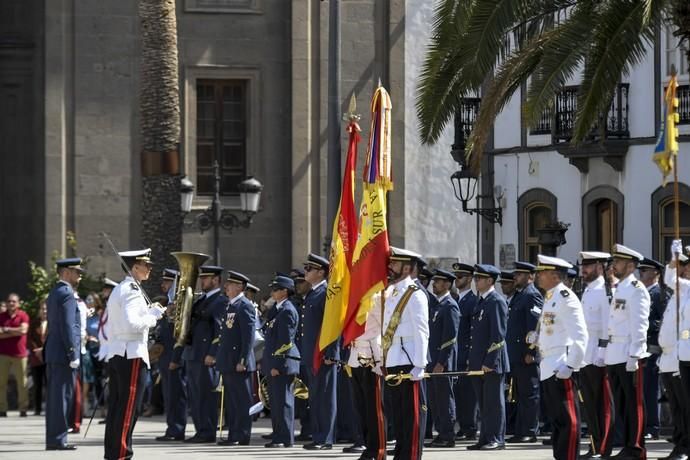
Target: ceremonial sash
<point x="387" y="340"/>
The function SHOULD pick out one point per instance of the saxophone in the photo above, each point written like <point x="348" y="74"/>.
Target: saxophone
<point x="189" y="263"/>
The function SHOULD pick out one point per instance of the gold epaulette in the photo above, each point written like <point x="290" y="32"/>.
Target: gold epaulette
<point x="283" y="349"/>
<point x="449" y="343"/>
<point x="496" y="346"/>
<point x="215" y="341"/>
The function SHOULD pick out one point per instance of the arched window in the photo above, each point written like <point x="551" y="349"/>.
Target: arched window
<point x="663" y="220"/>
<point x="537" y="207"/>
<point x="602" y="218"/>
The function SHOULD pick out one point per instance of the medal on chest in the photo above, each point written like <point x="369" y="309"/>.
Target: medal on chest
<point x="231" y="320"/>
<point x="619" y="304"/>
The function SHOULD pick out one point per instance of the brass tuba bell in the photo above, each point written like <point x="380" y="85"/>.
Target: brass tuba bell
<point x="299" y="389"/>
<point x="189" y="263"/>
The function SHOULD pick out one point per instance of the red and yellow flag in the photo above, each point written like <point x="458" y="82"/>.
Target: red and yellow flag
<point x="342" y="248"/>
<point x="369" y="273"/>
<point x="667" y="143"/>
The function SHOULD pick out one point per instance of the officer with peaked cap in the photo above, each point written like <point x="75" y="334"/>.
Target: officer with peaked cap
<point x="561" y="338"/>
<point x="597" y="399"/>
<point x="236" y="360"/>
<point x="61" y="353"/>
<point x="405" y="343"/>
<point x="649" y="271"/>
<point x="208" y="312"/>
<point x="129" y="321"/>
<point x="173" y="378"/>
<point x="321" y="371"/>
<point x="628" y="324"/>
<point x="443" y="338"/>
<point x="465" y="398"/>
<point x="488" y="354"/>
<point x="281" y="362"/>
<point x="507" y="281"/>
<point x="524" y="311"/>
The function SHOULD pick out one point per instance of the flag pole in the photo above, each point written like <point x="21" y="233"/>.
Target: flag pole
<point x="676" y="212"/>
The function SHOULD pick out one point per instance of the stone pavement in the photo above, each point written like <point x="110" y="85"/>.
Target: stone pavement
<point x="22" y="438"/>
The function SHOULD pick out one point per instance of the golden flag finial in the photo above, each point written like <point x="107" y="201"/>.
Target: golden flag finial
<point x="351" y="114"/>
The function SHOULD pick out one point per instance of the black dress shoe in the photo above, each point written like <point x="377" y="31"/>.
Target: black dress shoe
<point x="590" y="454"/>
<point x="390" y="452"/>
<point x="73" y="431"/>
<point x="276" y="445"/>
<point x="466" y="436"/>
<point x="166" y="438"/>
<point x="62" y="447"/>
<point x="492" y="446"/>
<point x="300" y="437"/>
<point x="476" y="446"/>
<point x="354" y="449"/>
<point x="440" y="443"/>
<point x="269" y="436"/>
<point x="547" y="442"/>
<point x="521" y="439"/>
<point x="23" y="414"/>
<point x="3" y="414"/>
<point x="228" y="442"/>
<point x="199" y="440"/>
<point x="315" y="446"/>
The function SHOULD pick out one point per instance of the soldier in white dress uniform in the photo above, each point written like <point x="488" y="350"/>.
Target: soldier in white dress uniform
<point x="561" y="339"/>
<point x="627" y="346"/>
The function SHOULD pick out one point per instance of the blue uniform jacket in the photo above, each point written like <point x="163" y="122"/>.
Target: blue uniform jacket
<point x="207" y="319"/>
<point x="443" y="335"/>
<point x="312" y="317"/>
<point x="237" y="337"/>
<point x="488" y="334"/>
<point x="466" y="306"/>
<point x="523" y="316"/>
<point x="63" y="343"/>
<point x="656" y="312"/>
<point x="280" y="350"/>
<point x="165" y="331"/>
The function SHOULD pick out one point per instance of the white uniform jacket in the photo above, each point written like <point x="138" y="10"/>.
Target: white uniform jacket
<point x="562" y="331"/>
<point x="628" y="322"/>
<point x="683" y="334"/>
<point x="668" y="360"/>
<point x="595" y="305"/>
<point x="368" y="345"/>
<point x="411" y="339"/>
<point x="129" y="321"/>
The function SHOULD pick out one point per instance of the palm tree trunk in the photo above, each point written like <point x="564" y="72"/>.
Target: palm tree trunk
<point x="160" y="134"/>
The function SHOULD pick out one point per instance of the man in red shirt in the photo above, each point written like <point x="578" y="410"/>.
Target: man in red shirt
<point x="14" y="324"/>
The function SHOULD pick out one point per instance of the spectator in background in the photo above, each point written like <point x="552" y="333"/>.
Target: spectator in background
<point x="14" y="325"/>
<point x="35" y="340"/>
<point x="91" y="367"/>
<point x="3" y="306"/>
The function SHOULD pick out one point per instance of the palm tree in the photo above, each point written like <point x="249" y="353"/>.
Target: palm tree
<point x="493" y="47"/>
<point x="160" y="132"/>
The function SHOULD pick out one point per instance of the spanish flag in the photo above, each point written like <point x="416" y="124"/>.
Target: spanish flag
<point x="667" y="143"/>
<point x="342" y="248"/>
<point x="369" y="273"/>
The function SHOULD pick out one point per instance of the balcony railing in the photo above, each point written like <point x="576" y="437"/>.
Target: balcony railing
<point x="683" y="95"/>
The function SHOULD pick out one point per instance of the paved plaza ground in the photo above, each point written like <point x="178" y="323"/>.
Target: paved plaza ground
<point x="23" y="438"/>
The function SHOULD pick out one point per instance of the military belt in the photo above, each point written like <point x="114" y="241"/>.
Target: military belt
<point x="553" y="351"/>
<point x="619" y="338"/>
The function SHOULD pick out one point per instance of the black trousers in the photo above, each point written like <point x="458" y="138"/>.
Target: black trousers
<point x="409" y="400"/>
<point x="562" y="404"/>
<point x="678" y="402"/>
<point x="127" y="379"/>
<point x="684" y="367"/>
<point x="38" y="374"/>
<point x="174" y="385"/>
<point x="651" y="395"/>
<point x="347" y="426"/>
<point x="598" y="407"/>
<point x="628" y="397"/>
<point x="526" y="393"/>
<point x="443" y="406"/>
<point x="490" y="395"/>
<point x="238" y="401"/>
<point x="367" y="395"/>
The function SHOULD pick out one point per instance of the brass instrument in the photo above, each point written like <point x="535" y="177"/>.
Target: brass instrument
<point x="189" y="263"/>
<point x="299" y="389"/>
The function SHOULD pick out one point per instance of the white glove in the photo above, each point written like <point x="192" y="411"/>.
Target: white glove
<point x="377" y="370"/>
<point x="416" y="374"/>
<point x="676" y="248"/>
<point x="157" y="310"/>
<point x="563" y="371"/>
<point x="632" y="364"/>
<point x="600" y="361"/>
<point x="74" y="364"/>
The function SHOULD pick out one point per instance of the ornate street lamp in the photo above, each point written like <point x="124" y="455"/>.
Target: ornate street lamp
<point x="465" y="188"/>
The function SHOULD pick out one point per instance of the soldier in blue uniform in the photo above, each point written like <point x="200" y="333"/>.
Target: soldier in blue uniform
<point x="488" y="354"/>
<point x="61" y="353"/>
<point x="650" y="270"/>
<point x="281" y="362"/>
<point x="173" y="379"/>
<point x="200" y="355"/>
<point x="321" y="375"/>
<point x="236" y="360"/>
<point x="297" y="299"/>
<point x="524" y="310"/>
<point x="464" y="393"/>
<point x="443" y="337"/>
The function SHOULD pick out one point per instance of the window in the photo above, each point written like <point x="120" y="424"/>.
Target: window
<point x="663" y="219"/>
<point x="223" y="6"/>
<point x="537" y="207"/>
<point x="676" y="54"/>
<point x="221" y="134"/>
<point x="602" y="218"/>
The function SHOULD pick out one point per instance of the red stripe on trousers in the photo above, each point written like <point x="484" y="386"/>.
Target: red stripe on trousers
<point x="414" y="449"/>
<point x="607" y="415"/>
<point x="640" y="410"/>
<point x="130" y="406"/>
<point x="572" y="415"/>
<point x="77" y="402"/>
<point x="381" y="454"/>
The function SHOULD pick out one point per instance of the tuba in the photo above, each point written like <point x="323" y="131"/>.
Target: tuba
<point x="299" y="389"/>
<point x="189" y="263"/>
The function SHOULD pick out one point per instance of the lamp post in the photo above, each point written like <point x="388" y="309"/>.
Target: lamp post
<point x="465" y="187"/>
<point x="216" y="217"/>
